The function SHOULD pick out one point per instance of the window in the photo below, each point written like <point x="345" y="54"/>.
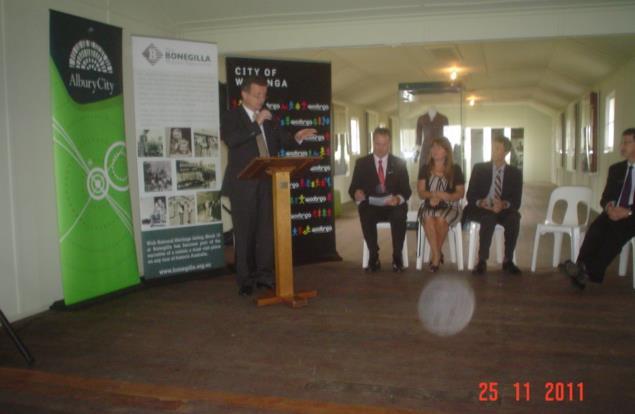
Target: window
<point x="609" y="123"/>
<point x="355" y="142"/>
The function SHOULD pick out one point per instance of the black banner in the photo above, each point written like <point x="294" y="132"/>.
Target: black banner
<point x="299" y="96"/>
<point x="87" y="55"/>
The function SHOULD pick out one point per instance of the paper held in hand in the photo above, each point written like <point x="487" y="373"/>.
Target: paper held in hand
<point x="379" y="201"/>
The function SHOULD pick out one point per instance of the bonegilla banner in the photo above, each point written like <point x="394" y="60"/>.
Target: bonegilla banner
<point x="178" y="158"/>
<point x="97" y="250"/>
<point x="299" y="96"/>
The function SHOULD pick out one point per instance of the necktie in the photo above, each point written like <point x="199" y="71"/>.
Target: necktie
<point x="625" y="196"/>
<point x="380" y="173"/>
<point x="263" y="150"/>
<point x="498" y="184"/>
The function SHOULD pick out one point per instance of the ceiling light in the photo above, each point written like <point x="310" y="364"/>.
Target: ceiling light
<point x="453" y="74"/>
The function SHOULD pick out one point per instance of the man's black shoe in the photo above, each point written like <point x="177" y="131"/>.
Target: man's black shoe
<point x="245" y="290"/>
<point x="397" y="264"/>
<point x="510" y="268"/>
<point x="481" y="268"/>
<point x="265" y="284"/>
<point x="373" y="264"/>
<point x="576" y="272"/>
<point x="578" y="282"/>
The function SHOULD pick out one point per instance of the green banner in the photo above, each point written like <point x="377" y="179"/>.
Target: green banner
<point x="93" y="202"/>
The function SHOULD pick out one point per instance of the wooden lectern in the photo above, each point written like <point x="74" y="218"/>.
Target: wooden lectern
<point x="280" y="170"/>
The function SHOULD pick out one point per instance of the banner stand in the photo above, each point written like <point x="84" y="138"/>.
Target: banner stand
<point x="16" y="339"/>
<point x="146" y="283"/>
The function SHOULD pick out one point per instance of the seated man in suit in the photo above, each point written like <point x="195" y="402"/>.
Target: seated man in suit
<point x="380" y="187"/>
<point x="614" y="227"/>
<point x="493" y="197"/>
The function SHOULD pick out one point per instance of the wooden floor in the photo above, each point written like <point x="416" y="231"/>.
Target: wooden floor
<point x="197" y="347"/>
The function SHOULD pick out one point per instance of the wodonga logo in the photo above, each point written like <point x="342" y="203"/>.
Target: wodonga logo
<point x="88" y="56"/>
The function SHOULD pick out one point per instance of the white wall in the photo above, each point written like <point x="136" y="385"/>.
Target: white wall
<point x="622" y="83"/>
<point x="538" y="126"/>
<point x="342" y="182"/>
<point x="30" y="269"/>
<point x="538" y="134"/>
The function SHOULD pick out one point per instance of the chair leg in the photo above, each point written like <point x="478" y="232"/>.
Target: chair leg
<point x="534" y="255"/>
<point x="365" y="255"/>
<point x="420" y="237"/>
<point x="575" y="244"/>
<point x="499" y="234"/>
<point x="404" y="253"/>
<point x="452" y="245"/>
<point x="458" y="242"/>
<point x="557" y="247"/>
<point x="471" y="248"/>
<point x="623" y="260"/>
<point x="633" y="265"/>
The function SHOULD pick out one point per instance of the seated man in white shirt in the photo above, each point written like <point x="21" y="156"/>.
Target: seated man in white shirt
<point x="380" y="187"/>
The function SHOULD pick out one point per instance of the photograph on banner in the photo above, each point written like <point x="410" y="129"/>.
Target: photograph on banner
<point x="176" y="115"/>
<point x="181" y="210"/>
<point x="299" y="96"/>
<point x="195" y="174"/>
<point x="180" y="142"/>
<point x="205" y="143"/>
<point x="153" y="212"/>
<point x="150" y="143"/>
<point x="157" y="176"/>
<point x="208" y="206"/>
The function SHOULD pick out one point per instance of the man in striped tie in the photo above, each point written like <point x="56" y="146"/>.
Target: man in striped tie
<point x="614" y="227"/>
<point x="493" y="197"/>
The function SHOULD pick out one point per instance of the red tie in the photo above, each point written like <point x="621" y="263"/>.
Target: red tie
<point x="380" y="173"/>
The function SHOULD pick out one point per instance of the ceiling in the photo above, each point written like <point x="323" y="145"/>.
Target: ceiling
<point x="192" y="14"/>
<point x="548" y="72"/>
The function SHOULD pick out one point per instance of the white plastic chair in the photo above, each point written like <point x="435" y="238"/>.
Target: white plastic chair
<point x="474" y="227"/>
<point x="455" y="241"/>
<point x="570" y="225"/>
<point x="624" y="258"/>
<point x="404" y="251"/>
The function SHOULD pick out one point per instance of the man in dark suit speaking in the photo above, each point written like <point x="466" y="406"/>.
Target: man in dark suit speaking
<point x="249" y="132"/>
<point x="615" y="226"/>
<point x="380" y="187"/>
<point x="493" y="197"/>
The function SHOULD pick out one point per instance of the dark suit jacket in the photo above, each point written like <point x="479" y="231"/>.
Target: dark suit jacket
<point x="365" y="177"/>
<point x="239" y="133"/>
<point x="481" y="180"/>
<point x="614" y="184"/>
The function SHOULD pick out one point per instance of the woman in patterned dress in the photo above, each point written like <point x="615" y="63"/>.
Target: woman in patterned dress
<point x="441" y="186"/>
